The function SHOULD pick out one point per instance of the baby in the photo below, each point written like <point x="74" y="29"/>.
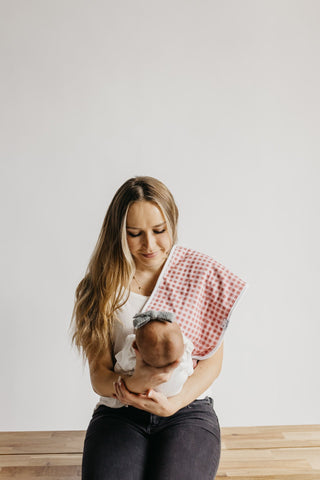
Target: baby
<point x="160" y="342"/>
<point x="158" y="338"/>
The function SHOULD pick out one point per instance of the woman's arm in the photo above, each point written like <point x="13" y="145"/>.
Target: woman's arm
<point x="205" y="373"/>
<point x="102" y="375"/>
<point x="154" y="402"/>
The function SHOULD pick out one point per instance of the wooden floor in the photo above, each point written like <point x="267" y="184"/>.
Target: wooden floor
<point x="248" y="453"/>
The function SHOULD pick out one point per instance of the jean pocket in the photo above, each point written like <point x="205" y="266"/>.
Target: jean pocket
<point x="201" y="402"/>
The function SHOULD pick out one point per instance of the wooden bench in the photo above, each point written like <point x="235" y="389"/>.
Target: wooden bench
<point x="248" y="453"/>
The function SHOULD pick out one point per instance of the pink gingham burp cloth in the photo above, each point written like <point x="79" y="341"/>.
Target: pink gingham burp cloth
<point x="201" y="293"/>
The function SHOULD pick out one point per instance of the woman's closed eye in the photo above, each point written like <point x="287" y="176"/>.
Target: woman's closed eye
<point x="157" y="232"/>
<point x="134" y="234"/>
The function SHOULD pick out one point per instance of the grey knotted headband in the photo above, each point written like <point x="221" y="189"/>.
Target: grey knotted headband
<point x="141" y="319"/>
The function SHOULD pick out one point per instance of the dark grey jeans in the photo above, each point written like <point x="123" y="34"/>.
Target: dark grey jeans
<point x="131" y="444"/>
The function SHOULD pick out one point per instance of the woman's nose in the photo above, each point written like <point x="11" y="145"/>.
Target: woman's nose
<point x="149" y="241"/>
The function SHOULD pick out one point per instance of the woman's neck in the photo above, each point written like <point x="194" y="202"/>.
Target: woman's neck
<point x="144" y="280"/>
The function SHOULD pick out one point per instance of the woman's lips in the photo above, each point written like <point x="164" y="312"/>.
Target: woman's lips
<point x="150" y="255"/>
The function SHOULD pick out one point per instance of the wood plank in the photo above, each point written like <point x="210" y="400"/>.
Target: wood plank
<point x="36" y="473"/>
<point x="41" y="460"/>
<point x="40" y="467"/>
<point x="284" y="436"/>
<point x="278" y="462"/>
<point x="294" y="476"/>
<point x="41" y="442"/>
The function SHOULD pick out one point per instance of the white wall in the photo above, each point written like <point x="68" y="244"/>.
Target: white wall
<point x="218" y="99"/>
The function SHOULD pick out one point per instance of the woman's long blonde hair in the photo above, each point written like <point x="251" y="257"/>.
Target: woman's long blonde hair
<point x="105" y="285"/>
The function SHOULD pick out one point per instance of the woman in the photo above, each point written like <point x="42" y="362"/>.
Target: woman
<point x="154" y="437"/>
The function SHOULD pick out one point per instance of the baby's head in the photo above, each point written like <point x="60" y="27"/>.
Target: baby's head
<point x="159" y="340"/>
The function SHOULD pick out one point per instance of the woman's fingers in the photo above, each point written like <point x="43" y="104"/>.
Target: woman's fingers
<point x="151" y="401"/>
<point x="122" y="393"/>
<point x="116" y="388"/>
<point x="128" y="398"/>
<point x="154" y="395"/>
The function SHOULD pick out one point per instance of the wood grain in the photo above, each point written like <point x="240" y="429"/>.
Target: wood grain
<point x="41" y="442"/>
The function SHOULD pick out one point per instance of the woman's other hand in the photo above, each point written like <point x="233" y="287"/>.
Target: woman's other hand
<point x="151" y="401"/>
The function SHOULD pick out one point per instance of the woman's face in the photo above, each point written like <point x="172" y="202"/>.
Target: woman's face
<point x="147" y="235"/>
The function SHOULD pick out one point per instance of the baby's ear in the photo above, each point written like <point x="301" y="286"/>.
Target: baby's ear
<point x="135" y="346"/>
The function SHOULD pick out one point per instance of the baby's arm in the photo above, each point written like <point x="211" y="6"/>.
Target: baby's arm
<point x="139" y="377"/>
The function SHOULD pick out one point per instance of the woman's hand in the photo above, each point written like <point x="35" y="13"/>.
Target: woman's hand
<point x="146" y="377"/>
<point x="151" y="401"/>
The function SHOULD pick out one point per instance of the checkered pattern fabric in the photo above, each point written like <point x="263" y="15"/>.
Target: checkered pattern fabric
<point x="201" y="293"/>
